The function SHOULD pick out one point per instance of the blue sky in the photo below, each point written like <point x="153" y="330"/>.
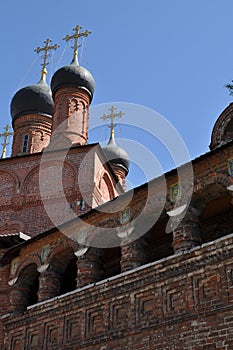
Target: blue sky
<point x="172" y="56"/>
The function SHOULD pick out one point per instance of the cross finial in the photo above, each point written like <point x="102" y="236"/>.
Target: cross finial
<point x="5" y="136"/>
<point x="112" y="117"/>
<point x="45" y="56"/>
<point x="77" y="34"/>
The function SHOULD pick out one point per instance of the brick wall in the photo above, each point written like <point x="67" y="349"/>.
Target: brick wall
<point x="181" y="302"/>
<point x="20" y="191"/>
<point x="143" y="309"/>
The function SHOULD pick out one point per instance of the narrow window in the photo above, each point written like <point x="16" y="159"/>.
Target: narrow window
<point x="25" y="143"/>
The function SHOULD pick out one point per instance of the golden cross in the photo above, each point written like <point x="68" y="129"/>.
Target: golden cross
<point x="76" y="36"/>
<point x="46" y="50"/>
<point x="5" y="136"/>
<point x="112" y="117"/>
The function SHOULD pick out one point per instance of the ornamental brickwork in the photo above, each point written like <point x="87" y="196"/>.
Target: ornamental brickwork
<point x="180" y="302"/>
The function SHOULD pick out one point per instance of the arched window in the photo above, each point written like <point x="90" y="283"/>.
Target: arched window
<point x="25" y="143"/>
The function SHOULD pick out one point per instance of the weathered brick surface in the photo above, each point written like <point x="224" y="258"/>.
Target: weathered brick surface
<point x="20" y="198"/>
<point x="22" y="209"/>
<point x="175" y="303"/>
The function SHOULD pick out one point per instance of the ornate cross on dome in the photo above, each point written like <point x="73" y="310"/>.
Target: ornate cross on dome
<point x="45" y="57"/>
<point x="5" y="136"/>
<point x="112" y="117"/>
<point x="76" y="36"/>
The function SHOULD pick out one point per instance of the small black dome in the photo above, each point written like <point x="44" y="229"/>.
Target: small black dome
<point x="116" y="155"/>
<point x="73" y="75"/>
<point x="33" y="99"/>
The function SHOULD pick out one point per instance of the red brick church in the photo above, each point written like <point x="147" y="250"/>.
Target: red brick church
<point x="61" y="288"/>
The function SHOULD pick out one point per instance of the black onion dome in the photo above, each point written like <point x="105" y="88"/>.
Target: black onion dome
<point x="116" y="155"/>
<point x="73" y="75"/>
<point x="33" y="99"/>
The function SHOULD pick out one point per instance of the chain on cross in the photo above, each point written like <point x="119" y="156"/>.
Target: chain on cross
<point x="5" y="136"/>
<point x="46" y="55"/>
<point x="76" y="36"/>
<point x="112" y="116"/>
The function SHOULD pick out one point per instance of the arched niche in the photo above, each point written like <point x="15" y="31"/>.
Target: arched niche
<point x="49" y="175"/>
<point x="25" y="291"/>
<point x="214" y="203"/>
<point x="158" y="241"/>
<point x="223" y="128"/>
<point x="63" y="267"/>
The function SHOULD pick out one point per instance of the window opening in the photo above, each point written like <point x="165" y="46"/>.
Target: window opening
<point x="25" y="143"/>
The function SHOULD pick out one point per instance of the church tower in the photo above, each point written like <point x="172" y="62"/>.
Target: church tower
<point x="31" y="111"/>
<point x="72" y="88"/>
